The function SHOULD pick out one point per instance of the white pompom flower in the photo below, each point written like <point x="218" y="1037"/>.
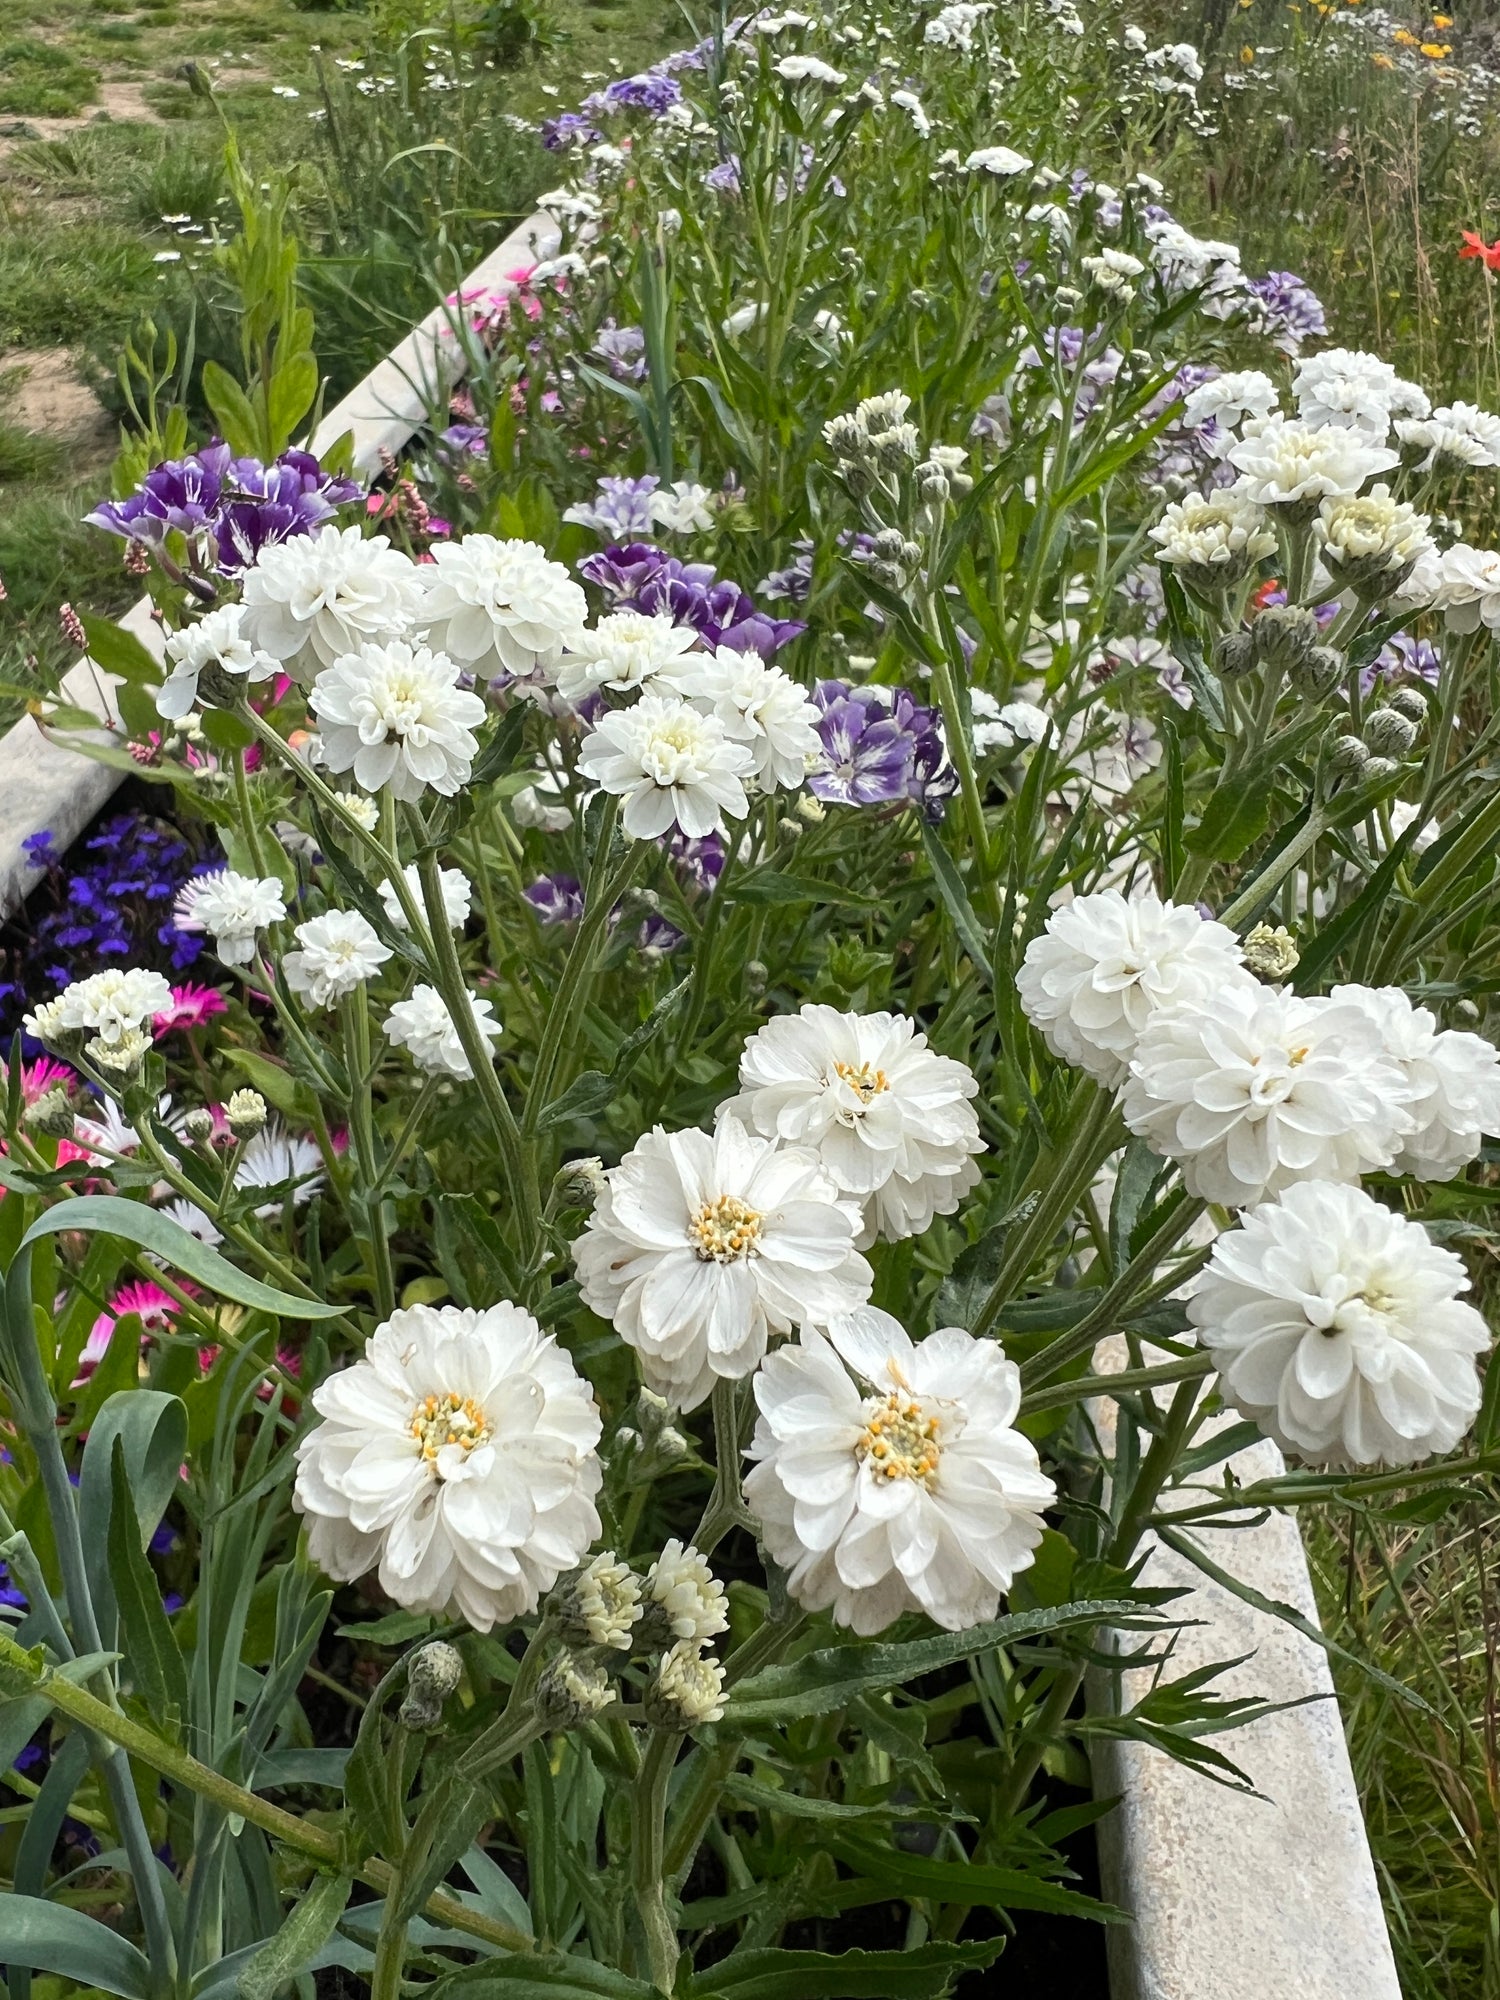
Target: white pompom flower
<point x="395" y="716"/>
<point x="457" y="1460"/>
<point x="108" y="1005"/>
<point x="761" y="707"/>
<point x="1251" y="1090"/>
<point x="703" y="1245"/>
<point x="458" y="897"/>
<point x="627" y="651"/>
<point x="337" y="953"/>
<point x="422" y="1025"/>
<point x="889" y="1474"/>
<point x="1106" y="963"/>
<point x="501" y="606"/>
<point x="1284" y="463"/>
<point x="1337" y="1326"/>
<point x="671" y="765"/>
<point x="689" y="1597"/>
<point x="232" y="908"/>
<point x="892" y="1121"/>
<point x="1453" y="1078"/>
<point x="216" y="640"/>
<point x="313" y="597"/>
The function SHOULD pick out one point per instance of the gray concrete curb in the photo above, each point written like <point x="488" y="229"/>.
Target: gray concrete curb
<point x="44" y="784"/>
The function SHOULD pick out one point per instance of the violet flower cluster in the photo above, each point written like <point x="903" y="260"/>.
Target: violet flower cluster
<point x="880" y="747"/>
<point x="640" y="577"/>
<point x="229" y="509"/>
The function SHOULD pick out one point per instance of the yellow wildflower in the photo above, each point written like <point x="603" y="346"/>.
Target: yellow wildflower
<point x="1435" y="51"/>
<point x="1442" y="20"/>
<point x="1406" y="38"/>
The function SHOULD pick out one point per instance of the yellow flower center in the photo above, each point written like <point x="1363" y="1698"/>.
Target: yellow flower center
<point x="866" y="1082"/>
<point x="899" y="1440"/>
<point x="725" y="1230"/>
<point x="450" y="1419"/>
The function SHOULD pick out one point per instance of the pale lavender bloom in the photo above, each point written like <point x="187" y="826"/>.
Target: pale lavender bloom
<point x="620" y="508"/>
<point x="569" y="128"/>
<point x="795" y="581"/>
<point x="650" y="91"/>
<point x="623" y="351"/>
<point x="1286" y="309"/>
<point x="1402" y="658"/>
<point x="879" y="748"/>
<point x="725" y="177"/>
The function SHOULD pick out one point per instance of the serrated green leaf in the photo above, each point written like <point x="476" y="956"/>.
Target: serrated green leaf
<point x="967" y="1882"/>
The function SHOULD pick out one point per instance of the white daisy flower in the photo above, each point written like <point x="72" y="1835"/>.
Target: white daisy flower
<point x="1467" y="588"/>
<point x="339" y="952"/>
<point x="233" y="908"/>
<point x="501" y="607"/>
<point x="626" y="652"/>
<point x="889" y="1475"/>
<point x="311" y="598"/>
<point x="189" y="1216"/>
<point x="760" y="706"/>
<point x="686" y="1688"/>
<point x="1225" y="400"/>
<point x="1346" y="390"/>
<point x="891" y="1120"/>
<point x="107" y="1005"/>
<point x="456" y="1459"/>
<point x="216" y="640"/>
<point x="1004" y="162"/>
<point x="395" y="715"/>
<point x="1453" y="1077"/>
<point x="671" y="765"/>
<point x="1005" y="727"/>
<point x="809" y="69"/>
<point x="702" y="1245"/>
<point x="1106" y="963"/>
<point x="1251" y="1090"/>
<point x="458" y="897"/>
<point x="682" y="508"/>
<point x="1286" y="463"/>
<point x="1220" y="538"/>
<point x="286" y="1161"/>
<point x="1337" y="1326"/>
<point x="423" y="1027"/>
<point x="1454" y="436"/>
<point x="1368" y="538"/>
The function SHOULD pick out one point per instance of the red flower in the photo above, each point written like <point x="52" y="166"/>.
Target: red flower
<point x="1475" y="246"/>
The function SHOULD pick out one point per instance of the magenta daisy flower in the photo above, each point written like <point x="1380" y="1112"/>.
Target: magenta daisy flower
<point x="192" y="1007"/>
<point x="38" y="1077"/>
<point x="155" y="1308"/>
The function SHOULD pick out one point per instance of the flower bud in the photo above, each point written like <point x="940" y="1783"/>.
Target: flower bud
<point x="1317" y="673"/>
<point x="890" y="545"/>
<point x="1377" y="768"/>
<point x="757" y="977"/>
<point x="1233" y="655"/>
<point x="1389" y="734"/>
<point x="572" y="1690"/>
<point x="122" y="1058"/>
<point x="51" y="1115"/>
<point x="685" y="1600"/>
<point x="579" y="1183"/>
<point x="1284" y="635"/>
<point x="199" y="1125"/>
<point x="1410" y="702"/>
<point x="433" y="1674"/>
<point x="896" y="447"/>
<point x="245" y="1113"/>
<point x="1270" y="954"/>
<point x="600" y="1604"/>
<point x="1348" y="757"/>
<point x="686" y="1688"/>
<point x="46" y="1023"/>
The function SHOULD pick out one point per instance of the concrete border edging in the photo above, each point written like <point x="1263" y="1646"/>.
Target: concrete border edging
<point x="43" y="783"/>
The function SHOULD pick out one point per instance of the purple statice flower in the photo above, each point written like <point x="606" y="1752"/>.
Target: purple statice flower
<point x="700" y="862"/>
<point x="880" y="747"/>
<point x="650" y="91"/>
<point x="1286" y="310"/>
<point x="181" y="494"/>
<point x="641" y="577"/>
<point x="569" y="128"/>
<point x="557" y="899"/>
<point x="619" y="510"/>
<point x="725" y="177"/>
<point x="795" y="581"/>
<point x="1402" y="658"/>
<point x="622" y="349"/>
<point x="461" y="441"/>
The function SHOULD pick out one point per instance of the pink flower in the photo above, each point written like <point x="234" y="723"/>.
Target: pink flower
<point x="155" y="1308"/>
<point x="192" y="1007"/>
<point x="38" y="1077"/>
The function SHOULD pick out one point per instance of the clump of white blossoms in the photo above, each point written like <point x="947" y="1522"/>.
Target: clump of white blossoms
<point x="1114" y="272"/>
<point x="1284" y="463"/>
<point x="891" y="1120"/>
<point x="232" y="908"/>
<point x="1468" y="588"/>
<point x="759" y="706"/>
<point x="1106" y="963"/>
<point x="626" y="652"/>
<point x="1004" y="162"/>
<point x="686" y="1688"/>
<point x="1455" y="436"/>
<point x="395" y="716"/>
<point x="689" y="1599"/>
<point x="1344" y="389"/>
<point x="501" y="607"/>
<point x="1005" y="728"/>
<point x="457" y="1461"/>
<point x="1453" y="1080"/>
<point x="1215" y="542"/>
<point x="108" y="1005"/>
<point x="1251" y="1089"/>
<point x="458" y="897"/>
<point x="600" y="1605"/>
<point x="1337" y="1326"/>
<point x="313" y="597"/>
<point x="1371" y="544"/>
<point x="216" y="640"/>
<point x="422" y="1025"/>
<point x="702" y="1245"/>
<point x="1226" y="399"/>
<point x="336" y="954"/>
<point x="889" y="1476"/>
<point x="672" y="765"/>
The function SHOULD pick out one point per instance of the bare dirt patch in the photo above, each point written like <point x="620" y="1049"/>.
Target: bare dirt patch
<point x="51" y="398"/>
<point x="117" y="100"/>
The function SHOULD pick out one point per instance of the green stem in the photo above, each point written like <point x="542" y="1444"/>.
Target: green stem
<point x="648" y="1813"/>
<point x="1271" y="877"/>
<point x="404" y="1137"/>
<point x="726" y="1508"/>
<point x="247" y="816"/>
<point x="355" y="1012"/>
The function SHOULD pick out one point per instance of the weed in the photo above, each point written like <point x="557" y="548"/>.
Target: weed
<point x="39" y="80"/>
<point x="26" y="456"/>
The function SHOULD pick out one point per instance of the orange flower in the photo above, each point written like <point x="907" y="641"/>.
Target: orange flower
<point x="1442" y="20"/>
<point x="1474" y="245"/>
<point x="1382" y="62"/>
<point x="1435" y="51"/>
<point x="1406" y="38"/>
<point x="1247" y="54"/>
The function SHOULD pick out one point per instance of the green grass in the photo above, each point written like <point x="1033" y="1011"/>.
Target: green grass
<point x="38" y="80"/>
